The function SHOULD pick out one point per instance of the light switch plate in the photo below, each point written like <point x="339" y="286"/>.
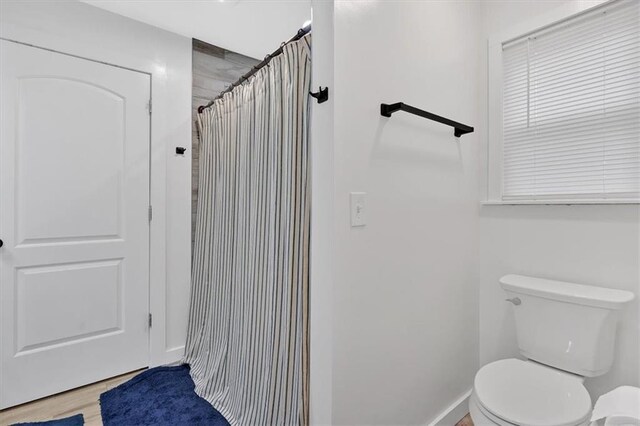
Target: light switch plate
<point x="358" y="208"/>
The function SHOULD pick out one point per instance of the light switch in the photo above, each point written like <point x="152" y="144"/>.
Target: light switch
<point x="358" y="213"/>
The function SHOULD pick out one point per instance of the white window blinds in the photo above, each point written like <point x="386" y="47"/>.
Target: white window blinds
<point x="571" y="108"/>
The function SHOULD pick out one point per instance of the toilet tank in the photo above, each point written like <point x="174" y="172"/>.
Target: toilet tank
<point x="568" y="326"/>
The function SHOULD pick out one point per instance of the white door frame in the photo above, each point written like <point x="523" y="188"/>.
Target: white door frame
<point x="155" y="256"/>
<point x="104" y="37"/>
<point x="145" y="291"/>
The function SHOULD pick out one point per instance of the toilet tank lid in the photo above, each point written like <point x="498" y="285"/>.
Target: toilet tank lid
<point x="580" y="294"/>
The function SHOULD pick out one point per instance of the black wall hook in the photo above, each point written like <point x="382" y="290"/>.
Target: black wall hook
<point x="322" y="95"/>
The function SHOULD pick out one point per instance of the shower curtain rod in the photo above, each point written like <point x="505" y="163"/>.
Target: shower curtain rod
<point x="301" y="33"/>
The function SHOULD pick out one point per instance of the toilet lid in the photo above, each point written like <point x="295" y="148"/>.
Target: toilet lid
<point x="527" y="393"/>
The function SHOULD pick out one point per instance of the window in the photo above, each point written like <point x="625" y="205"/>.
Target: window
<point x="571" y="108"/>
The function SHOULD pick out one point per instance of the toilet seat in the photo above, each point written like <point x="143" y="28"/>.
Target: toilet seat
<point x="526" y="393"/>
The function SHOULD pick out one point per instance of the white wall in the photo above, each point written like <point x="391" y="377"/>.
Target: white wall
<point x="596" y="245"/>
<point x="86" y="31"/>
<point x="253" y="28"/>
<point x="322" y="223"/>
<point x="405" y="311"/>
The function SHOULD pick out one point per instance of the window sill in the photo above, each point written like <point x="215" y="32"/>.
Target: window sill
<point x="558" y="202"/>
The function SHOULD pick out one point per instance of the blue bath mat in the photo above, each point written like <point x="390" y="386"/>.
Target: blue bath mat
<point x="77" y="420"/>
<point x="161" y="396"/>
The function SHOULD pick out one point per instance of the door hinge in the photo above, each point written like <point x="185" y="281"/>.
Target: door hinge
<point x="149" y="106"/>
<point x="150" y="320"/>
<point x="150" y="213"/>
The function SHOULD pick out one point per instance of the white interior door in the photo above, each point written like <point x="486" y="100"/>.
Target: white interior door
<point x="74" y="198"/>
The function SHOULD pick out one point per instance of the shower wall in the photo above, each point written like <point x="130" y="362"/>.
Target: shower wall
<point x="214" y="68"/>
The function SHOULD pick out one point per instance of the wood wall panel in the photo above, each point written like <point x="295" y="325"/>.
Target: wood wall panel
<point x="214" y="69"/>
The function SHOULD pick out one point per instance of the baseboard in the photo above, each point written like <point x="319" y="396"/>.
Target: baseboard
<point x="172" y="356"/>
<point x="173" y="364"/>
<point x="453" y="413"/>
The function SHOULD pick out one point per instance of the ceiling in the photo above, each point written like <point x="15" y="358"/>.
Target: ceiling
<point x="251" y="27"/>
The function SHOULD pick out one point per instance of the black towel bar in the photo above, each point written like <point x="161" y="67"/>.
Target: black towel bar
<point x="386" y="110"/>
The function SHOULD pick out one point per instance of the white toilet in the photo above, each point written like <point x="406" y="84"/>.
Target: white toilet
<point x="566" y="331"/>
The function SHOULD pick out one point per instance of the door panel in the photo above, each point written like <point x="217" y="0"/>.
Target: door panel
<point x="74" y="197"/>
<point x="97" y="142"/>
<point x="96" y="287"/>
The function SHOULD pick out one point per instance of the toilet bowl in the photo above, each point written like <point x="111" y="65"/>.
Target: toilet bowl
<point x="515" y="392"/>
<point x="566" y="332"/>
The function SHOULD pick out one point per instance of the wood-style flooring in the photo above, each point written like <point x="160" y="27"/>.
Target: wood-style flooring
<point x="83" y="400"/>
<point x="466" y="421"/>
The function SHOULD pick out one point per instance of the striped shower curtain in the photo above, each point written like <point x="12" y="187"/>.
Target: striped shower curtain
<point x="248" y="340"/>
